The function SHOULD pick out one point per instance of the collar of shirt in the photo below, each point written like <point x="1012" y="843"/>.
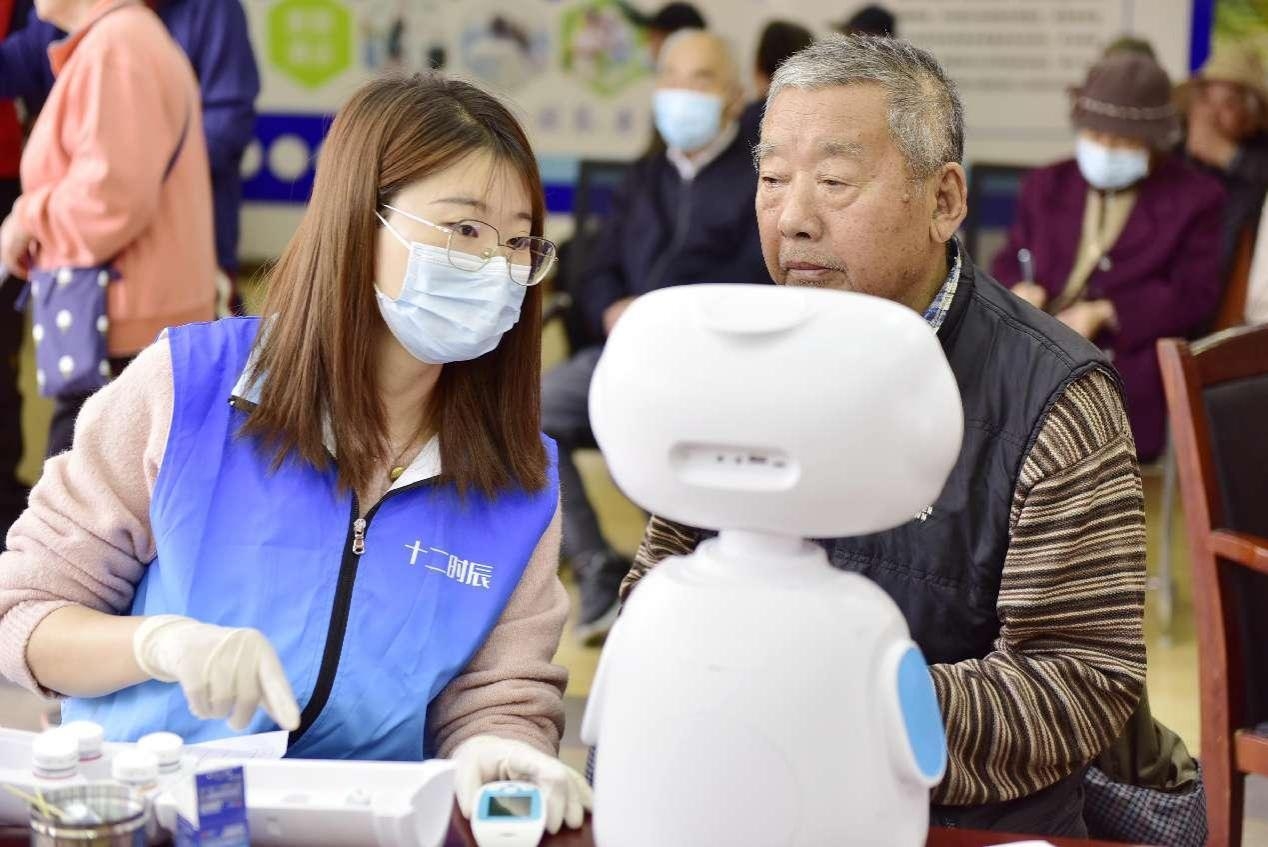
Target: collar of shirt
<point x="687" y="168"/>
<point x="425" y="465"/>
<point x="59" y="52"/>
<point x="936" y="314"/>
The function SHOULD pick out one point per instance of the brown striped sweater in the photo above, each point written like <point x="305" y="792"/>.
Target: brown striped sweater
<point x="1068" y="666"/>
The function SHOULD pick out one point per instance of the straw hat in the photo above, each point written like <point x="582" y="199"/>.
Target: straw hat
<point x="1236" y="63"/>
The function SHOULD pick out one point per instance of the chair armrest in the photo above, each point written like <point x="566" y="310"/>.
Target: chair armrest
<point x="1248" y="550"/>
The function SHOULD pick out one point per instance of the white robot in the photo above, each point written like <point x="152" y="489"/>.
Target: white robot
<point x="751" y="695"/>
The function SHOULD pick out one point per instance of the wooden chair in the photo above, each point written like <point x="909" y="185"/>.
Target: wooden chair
<point x="1232" y="310"/>
<point x="1217" y="395"/>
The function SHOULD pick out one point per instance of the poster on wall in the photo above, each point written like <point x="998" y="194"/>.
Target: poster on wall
<point x="1244" y="21"/>
<point x="579" y="74"/>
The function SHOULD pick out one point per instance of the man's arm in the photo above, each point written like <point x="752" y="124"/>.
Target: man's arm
<point x="25" y="73"/>
<point x="1068" y="666"/>
<point x="228" y="81"/>
<point x="603" y="280"/>
<point x="1250" y="162"/>
<point x="661" y="540"/>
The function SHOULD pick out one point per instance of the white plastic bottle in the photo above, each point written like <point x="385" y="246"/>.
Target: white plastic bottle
<point x="54" y="759"/>
<point x="167" y="748"/>
<point x="139" y="770"/>
<point x="90" y="736"/>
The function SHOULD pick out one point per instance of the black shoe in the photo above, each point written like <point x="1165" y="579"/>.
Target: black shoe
<point x="599" y="578"/>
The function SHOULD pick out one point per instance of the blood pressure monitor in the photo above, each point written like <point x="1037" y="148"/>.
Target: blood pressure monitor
<point x="509" y="814"/>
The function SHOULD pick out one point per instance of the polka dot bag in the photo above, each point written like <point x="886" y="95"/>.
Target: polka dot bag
<point x="69" y="322"/>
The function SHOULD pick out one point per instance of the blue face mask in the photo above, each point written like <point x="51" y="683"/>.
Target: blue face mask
<point x="445" y="314"/>
<point x="1109" y="169"/>
<point x="687" y="120"/>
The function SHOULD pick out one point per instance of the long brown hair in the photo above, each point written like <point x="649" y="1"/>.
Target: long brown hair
<point x="317" y="359"/>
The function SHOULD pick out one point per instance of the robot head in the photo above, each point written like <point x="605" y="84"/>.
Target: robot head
<point x="795" y="411"/>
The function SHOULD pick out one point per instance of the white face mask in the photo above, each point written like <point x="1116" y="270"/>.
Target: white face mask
<point x="687" y="120"/>
<point x="1109" y="169"/>
<point x="445" y="314"/>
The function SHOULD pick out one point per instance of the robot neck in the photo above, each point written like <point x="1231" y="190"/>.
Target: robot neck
<point x="764" y="554"/>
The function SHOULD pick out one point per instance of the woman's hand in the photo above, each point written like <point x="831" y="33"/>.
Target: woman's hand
<point x="224" y="672"/>
<point x="16" y="246"/>
<point x="1089" y="317"/>
<point x="487" y="758"/>
<point x="1033" y="293"/>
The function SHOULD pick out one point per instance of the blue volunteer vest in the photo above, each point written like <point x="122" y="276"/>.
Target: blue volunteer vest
<point x="367" y="641"/>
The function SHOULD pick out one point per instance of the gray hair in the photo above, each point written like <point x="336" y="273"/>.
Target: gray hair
<point x="926" y="117"/>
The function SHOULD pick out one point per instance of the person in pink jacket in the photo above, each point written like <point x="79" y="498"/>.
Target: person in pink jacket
<point x="115" y="175"/>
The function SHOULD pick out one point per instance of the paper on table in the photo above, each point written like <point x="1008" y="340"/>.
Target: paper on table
<point x="262" y="745"/>
<point x="1026" y="844"/>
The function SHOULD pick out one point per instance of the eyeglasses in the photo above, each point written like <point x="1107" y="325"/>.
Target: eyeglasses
<point x="471" y="244"/>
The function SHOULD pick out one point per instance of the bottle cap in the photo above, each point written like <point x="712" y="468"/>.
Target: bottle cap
<point x="55" y="754"/>
<point x="135" y="767"/>
<point x="166" y="747"/>
<point x="90" y="737"/>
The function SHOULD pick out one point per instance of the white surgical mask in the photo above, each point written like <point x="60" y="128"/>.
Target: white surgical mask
<point x="1109" y="169"/>
<point x="445" y="314"/>
<point x="687" y="120"/>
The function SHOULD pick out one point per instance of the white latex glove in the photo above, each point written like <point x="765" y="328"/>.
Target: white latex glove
<point x="224" y="672"/>
<point x="487" y="758"/>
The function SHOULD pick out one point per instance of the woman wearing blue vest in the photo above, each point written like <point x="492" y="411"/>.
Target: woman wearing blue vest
<point x="347" y="504"/>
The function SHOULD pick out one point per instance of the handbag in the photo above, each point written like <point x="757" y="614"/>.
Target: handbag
<point x="70" y="322"/>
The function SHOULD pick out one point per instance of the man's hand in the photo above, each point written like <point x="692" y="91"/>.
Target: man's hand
<point x="1033" y="293"/>
<point x="1089" y="317"/>
<point x="16" y="246"/>
<point x="613" y="313"/>
<point x="1204" y="140"/>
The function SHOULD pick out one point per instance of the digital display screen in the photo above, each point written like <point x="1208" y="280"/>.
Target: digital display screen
<point x="510" y="807"/>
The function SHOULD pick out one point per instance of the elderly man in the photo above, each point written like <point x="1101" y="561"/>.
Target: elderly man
<point x="1227" y="131"/>
<point x="1024" y="581"/>
<point x="684" y="215"/>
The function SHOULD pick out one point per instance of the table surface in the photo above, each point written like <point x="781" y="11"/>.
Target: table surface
<point x="460" y="836"/>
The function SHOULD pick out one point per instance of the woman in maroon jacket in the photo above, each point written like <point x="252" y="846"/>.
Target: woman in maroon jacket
<point x="1122" y="243"/>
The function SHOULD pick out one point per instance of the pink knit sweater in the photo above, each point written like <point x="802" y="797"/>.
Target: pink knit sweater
<point x="86" y="539"/>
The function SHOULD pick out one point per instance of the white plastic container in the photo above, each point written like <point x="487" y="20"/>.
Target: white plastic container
<point x="54" y="758"/>
<point x="137" y="769"/>
<point x="332" y="803"/>
<point x="93" y="764"/>
<point x="167" y="748"/>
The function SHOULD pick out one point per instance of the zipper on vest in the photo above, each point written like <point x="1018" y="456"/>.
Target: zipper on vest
<point x="354" y="546"/>
<point x="358" y="536"/>
<point x="338" y="625"/>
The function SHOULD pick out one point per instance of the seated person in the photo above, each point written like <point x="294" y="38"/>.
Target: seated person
<point x="1257" y="286"/>
<point x="663" y="23"/>
<point x="1123" y="240"/>
<point x="1226" y="106"/>
<point x="1023" y="583"/>
<point x="252" y="517"/>
<point x="873" y="19"/>
<point x="779" y="40"/>
<point x="684" y="215"/>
